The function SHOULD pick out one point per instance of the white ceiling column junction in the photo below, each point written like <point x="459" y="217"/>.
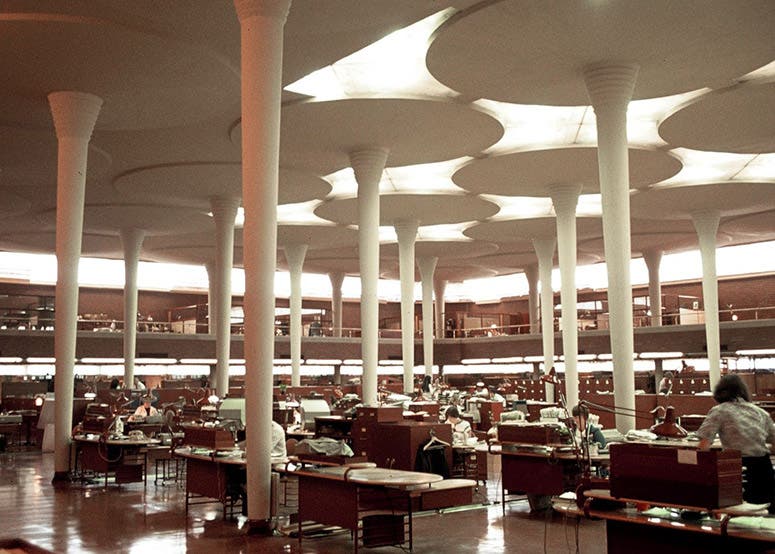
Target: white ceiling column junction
<point x="406" y="231"/>
<point x="131" y="241"/>
<point x="224" y="209"/>
<point x="74" y="115"/>
<point x="368" y="165"/>
<point x="653" y="260"/>
<point x="564" y="199"/>
<point x="261" y="26"/>
<point x="427" y="266"/>
<point x="294" y="255"/>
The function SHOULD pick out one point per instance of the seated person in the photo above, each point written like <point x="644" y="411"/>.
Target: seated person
<point x="592" y="432"/>
<point x="144" y="410"/>
<point x="666" y="384"/>
<point x="461" y="429"/>
<point x="278" y="441"/>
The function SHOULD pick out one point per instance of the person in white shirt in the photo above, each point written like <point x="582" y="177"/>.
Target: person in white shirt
<point x="144" y="410"/>
<point x="461" y="429"/>
<point x="278" y="441"/>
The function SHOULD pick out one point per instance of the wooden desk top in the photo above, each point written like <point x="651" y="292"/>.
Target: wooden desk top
<point x="715" y="523"/>
<point x="375" y="476"/>
<point x="235" y="456"/>
<point x="124" y="441"/>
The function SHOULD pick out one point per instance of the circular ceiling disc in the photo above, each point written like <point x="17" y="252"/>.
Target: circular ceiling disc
<point x="739" y="119"/>
<point x="535" y="52"/>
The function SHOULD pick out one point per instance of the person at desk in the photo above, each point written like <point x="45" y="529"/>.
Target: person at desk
<point x="585" y="427"/>
<point x="743" y="426"/>
<point x="666" y="383"/>
<point x="461" y="429"/>
<point x="144" y="410"/>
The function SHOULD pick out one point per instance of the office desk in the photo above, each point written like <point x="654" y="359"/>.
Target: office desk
<point x="126" y="458"/>
<point x="634" y="532"/>
<point x="374" y="503"/>
<point x="540" y="472"/>
<point x="211" y="478"/>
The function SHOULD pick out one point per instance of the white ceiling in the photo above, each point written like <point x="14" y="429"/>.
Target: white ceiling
<point x="501" y="102"/>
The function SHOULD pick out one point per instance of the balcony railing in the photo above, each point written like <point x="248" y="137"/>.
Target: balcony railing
<point x="190" y="327"/>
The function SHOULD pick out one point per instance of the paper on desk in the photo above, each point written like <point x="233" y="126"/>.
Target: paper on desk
<point x="745" y="509"/>
<point x="762" y="523"/>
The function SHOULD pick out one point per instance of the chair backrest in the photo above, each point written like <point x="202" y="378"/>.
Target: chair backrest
<point x="290" y="446"/>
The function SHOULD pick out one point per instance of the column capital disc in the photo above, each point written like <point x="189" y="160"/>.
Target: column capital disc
<point x="74" y="113"/>
<point x="225" y="207"/>
<point x="406" y="229"/>
<point x="368" y="163"/>
<point x="611" y="83"/>
<point x="262" y="8"/>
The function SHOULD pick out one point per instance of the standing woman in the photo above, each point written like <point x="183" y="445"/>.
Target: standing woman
<point x="743" y="426"/>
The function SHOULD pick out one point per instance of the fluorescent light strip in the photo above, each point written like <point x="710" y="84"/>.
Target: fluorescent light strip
<point x="199" y="361"/>
<point x="323" y="362"/>
<point x="512" y="360"/>
<point x="660" y="355"/>
<point x="156" y="361"/>
<point x="11" y="360"/>
<point x="475" y="361"/>
<point x="756" y="352"/>
<point x="101" y="361"/>
<point x="34" y="360"/>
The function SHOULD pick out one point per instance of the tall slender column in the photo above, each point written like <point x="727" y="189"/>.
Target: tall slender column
<point x="653" y="259"/>
<point x="212" y="287"/>
<point x="565" y="198"/>
<point x="261" y="25"/>
<point x="427" y="267"/>
<point x="531" y="274"/>
<point x="131" y="240"/>
<point x="544" y="249"/>
<point x="74" y="115"/>
<point x="706" y="224"/>
<point x="439" y="286"/>
<point x="406" y="230"/>
<point x="368" y="165"/>
<point x="336" y="278"/>
<point x="610" y="90"/>
<point x="294" y="255"/>
<point x="224" y="210"/>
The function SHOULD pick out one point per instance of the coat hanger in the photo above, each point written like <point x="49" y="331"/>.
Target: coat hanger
<point x="434" y="440"/>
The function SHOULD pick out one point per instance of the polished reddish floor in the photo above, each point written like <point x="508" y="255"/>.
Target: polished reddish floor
<point x="152" y="520"/>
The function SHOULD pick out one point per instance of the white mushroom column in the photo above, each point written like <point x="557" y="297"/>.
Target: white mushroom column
<point x="439" y="286"/>
<point x="427" y="267"/>
<point x="294" y="255"/>
<point x="406" y="231"/>
<point x="131" y="241"/>
<point x="261" y="25"/>
<point x="336" y="278"/>
<point x="653" y="259"/>
<point x="531" y="274"/>
<point x="610" y="90"/>
<point x="224" y="210"/>
<point x="544" y="249"/>
<point x="212" y="287"/>
<point x="565" y="198"/>
<point x="74" y="115"/>
<point x="706" y="224"/>
<point x="368" y="165"/>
